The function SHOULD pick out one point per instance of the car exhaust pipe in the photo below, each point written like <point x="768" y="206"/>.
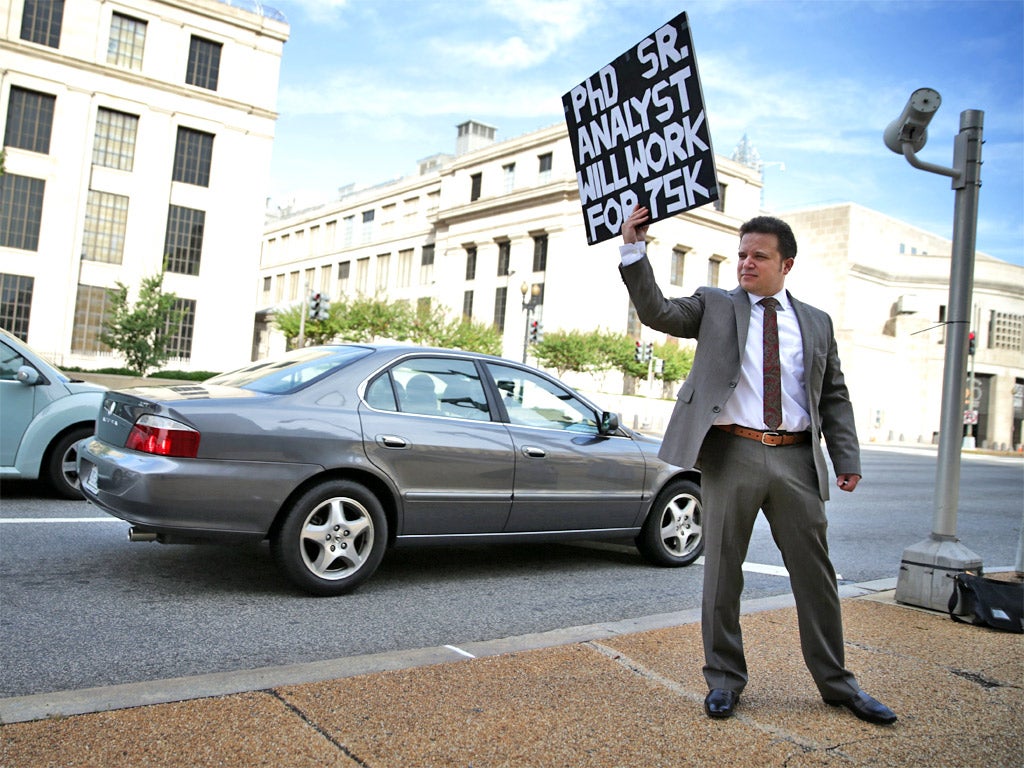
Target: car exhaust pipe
<point x="134" y="534"/>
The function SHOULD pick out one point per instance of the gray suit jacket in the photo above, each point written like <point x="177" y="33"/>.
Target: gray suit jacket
<point x="719" y="320"/>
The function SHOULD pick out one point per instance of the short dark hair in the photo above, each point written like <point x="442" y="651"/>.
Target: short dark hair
<point x="769" y="225"/>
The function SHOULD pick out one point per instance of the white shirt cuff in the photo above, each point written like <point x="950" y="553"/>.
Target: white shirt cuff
<point x="630" y="253"/>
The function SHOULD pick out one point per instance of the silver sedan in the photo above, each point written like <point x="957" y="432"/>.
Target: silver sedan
<point x="336" y="453"/>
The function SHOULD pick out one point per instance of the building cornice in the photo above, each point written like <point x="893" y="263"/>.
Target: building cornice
<point x="558" y="191"/>
<point x="128" y="76"/>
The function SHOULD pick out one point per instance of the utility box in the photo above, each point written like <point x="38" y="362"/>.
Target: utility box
<point x="927" y="571"/>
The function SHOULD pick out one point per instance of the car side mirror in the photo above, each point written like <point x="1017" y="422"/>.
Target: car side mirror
<point x="28" y="375"/>
<point x="609" y="423"/>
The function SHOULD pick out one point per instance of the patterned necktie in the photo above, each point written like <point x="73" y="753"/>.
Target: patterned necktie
<point x="772" y="368"/>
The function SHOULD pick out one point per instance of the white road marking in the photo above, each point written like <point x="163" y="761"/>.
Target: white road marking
<point x="16" y="520"/>
<point x="461" y="652"/>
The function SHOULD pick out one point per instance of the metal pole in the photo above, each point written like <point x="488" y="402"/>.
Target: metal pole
<point x="967" y="162"/>
<point x="928" y="567"/>
<point x="526" y="330"/>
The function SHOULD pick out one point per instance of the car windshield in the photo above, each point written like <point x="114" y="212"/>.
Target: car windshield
<point x="293" y="371"/>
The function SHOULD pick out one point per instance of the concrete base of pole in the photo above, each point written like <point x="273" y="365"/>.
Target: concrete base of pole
<point x="927" y="570"/>
<point x="969" y="442"/>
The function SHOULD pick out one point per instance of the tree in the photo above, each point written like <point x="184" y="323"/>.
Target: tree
<point x="577" y="351"/>
<point x="140" y="331"/>
<point x="677" y="362"/>
<point x="366" y="319"/>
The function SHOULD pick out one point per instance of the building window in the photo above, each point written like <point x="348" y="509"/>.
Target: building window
<point x="41" y="20"/>
<point x="193" y="154"/>
<point x="367" y="226"/>
<point x="1006" y="331"/>
<point x="383" y="267"/>
<point x="540" y="253"/>
<point x="293" y="285"/>
<point x="427" y="265"/>
<point x="203" y="63"/>
<point x="29" y="120"/>
<point x="106" y="217"/>
<point x="676" y="269"/>
<point x="474" y="186"/>
<point x="500" y="299"/>
<point x="267" y="284"/>
<point x="362" y="275"/>
<point x="720" y="202"/>
<point x="179" y="338"/>
<point x="471" y="262"/>
<point x="21" y="211"/>
<point x="467" y="305"/>
<point x="90" y="312"/>
<point x="714" y="267"/>
<point x="504" y="257"/>
<point x="127" y="41"/>
<point x="544" y="167"/>
<point x="183" y="243"/>
<point x="405" y="268"/>
<point x="509" y="174"/>
<point x="16" y="303"/>
<point x="344" y="269"/>
<point x="114" y="143"/>
<point x="325" y="278"/>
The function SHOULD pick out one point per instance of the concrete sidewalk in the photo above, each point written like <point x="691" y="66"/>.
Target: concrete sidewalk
<point x="623" y="699"/>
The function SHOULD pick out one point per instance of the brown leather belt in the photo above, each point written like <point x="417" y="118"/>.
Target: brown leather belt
<point x="765" y="438"/>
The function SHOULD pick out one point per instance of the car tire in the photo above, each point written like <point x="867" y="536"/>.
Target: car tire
<point x="62" y="464"/>
<point x="672" y="534"/>
<point x="332" y="538"/>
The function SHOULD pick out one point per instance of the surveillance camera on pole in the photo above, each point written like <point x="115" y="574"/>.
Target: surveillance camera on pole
<point x="927" y="568"/>
<point x="911" y="127"/>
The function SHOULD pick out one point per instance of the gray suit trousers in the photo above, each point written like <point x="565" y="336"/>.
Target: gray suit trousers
<point x="739" y="477"/>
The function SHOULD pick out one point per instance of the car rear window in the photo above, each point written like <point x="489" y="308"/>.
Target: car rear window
<point x="291" y="372"/>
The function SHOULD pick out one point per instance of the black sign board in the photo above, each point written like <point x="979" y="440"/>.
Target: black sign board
<point x="640" y="135"/>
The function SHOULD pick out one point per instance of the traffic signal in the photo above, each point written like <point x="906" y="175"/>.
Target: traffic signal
<point x="970" y="344"/>
<point x="648" y="351"/>
<point x="638" y="353"/>
<point x="536" y="331"/>
<point x="319" y="303"/>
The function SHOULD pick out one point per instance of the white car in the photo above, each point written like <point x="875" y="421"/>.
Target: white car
<point x="43" y="416"/>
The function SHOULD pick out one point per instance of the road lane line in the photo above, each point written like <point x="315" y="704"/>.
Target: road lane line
<point x="23" y="520"/>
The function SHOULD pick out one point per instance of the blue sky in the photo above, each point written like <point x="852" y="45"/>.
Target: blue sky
<point x="370" y="87"/>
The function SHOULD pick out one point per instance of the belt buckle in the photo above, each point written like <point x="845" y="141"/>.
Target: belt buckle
<point x="770" y="434"/>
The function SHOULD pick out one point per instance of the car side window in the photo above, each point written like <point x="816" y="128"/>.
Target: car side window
<point x="532" y="401"/>
<point x="380" y="394"/>
<point x="439" y="386"/>
<point x="10" y="362"/>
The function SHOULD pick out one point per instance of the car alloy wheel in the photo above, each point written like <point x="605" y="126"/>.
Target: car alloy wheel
<point x="332" y="538"/>
<point x="672" y="534"/>
<point x="62" y="464"/>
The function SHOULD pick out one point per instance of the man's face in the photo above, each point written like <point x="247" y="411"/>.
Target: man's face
<point x="759" y="265"/>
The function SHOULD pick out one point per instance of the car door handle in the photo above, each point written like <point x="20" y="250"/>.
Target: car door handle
<point x="534" y="453"/>
<point x="392" y="441"/>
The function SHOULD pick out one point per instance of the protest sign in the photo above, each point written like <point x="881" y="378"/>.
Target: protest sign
<point x="640" y="135"/>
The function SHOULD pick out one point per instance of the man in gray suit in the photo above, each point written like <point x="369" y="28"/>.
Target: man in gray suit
<point x="756" y="450"/>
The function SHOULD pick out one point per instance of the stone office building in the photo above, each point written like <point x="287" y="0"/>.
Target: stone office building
<point x="137" y="137"/>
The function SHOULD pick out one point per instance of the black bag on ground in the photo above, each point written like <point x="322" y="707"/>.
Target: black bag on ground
<point x="987" y="602"/>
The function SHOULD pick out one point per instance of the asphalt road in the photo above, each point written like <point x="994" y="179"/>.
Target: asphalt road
<point x="80" y="606"/>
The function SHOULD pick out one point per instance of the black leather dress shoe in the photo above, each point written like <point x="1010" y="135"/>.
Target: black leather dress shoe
<point x="721" y="703"/>
<point x="866" y="708"/>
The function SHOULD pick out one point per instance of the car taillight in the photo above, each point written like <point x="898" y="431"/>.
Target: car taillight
<point x="164" y="437"/>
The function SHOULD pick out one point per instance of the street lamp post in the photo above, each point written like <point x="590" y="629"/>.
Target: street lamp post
<point x="928" y="567"/>
<point x="529" y="305"/>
